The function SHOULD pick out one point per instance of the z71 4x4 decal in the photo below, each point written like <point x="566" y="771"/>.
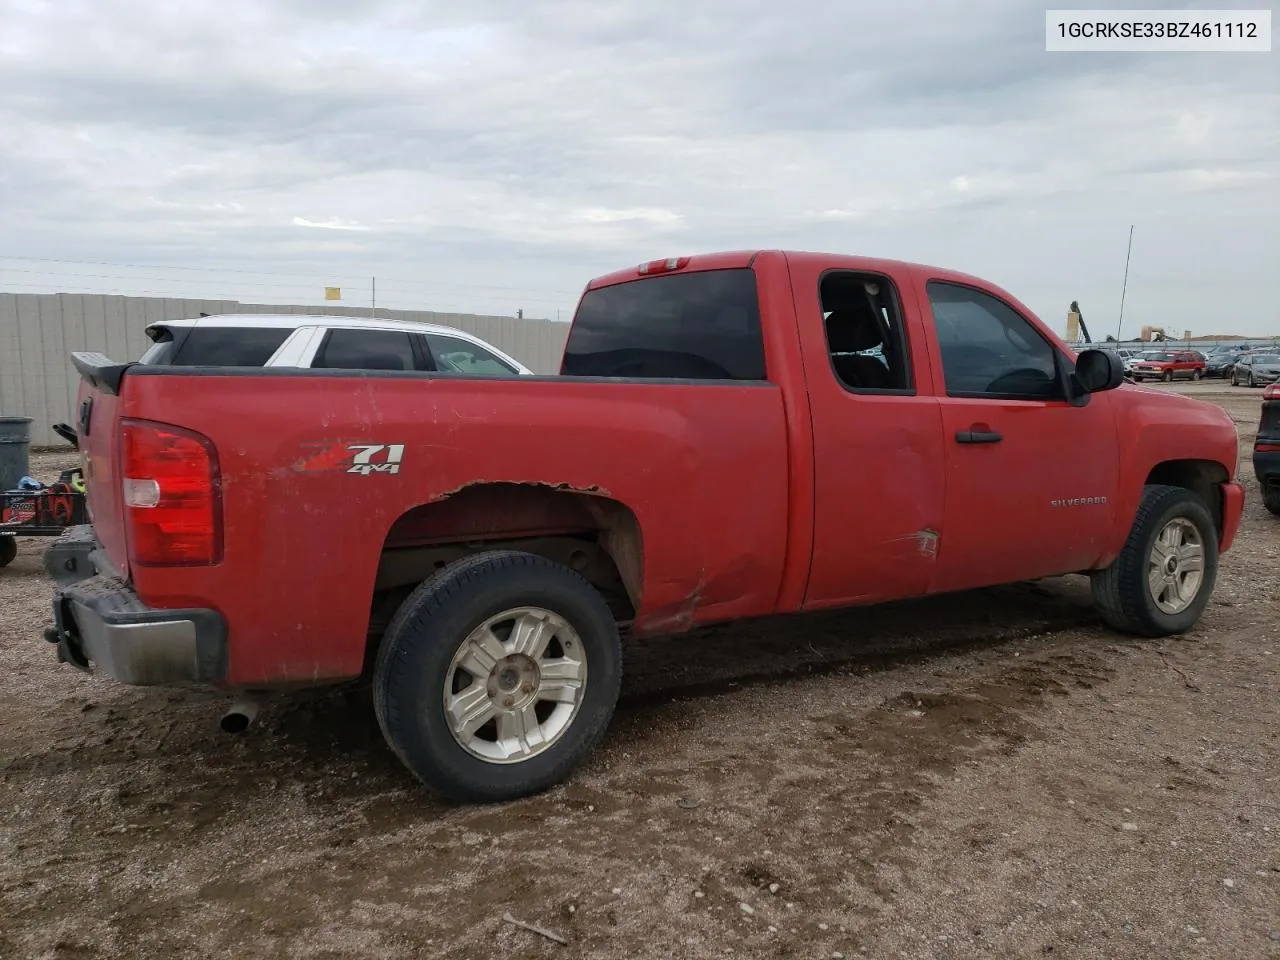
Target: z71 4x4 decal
<point x="369" y="458"/>
<point x="362" y="459"/>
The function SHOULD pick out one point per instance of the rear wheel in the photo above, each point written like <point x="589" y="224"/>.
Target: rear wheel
<point x="1195" y="374"/>
<point x="1161" y="582"/>
<point x="498" y="676"/>
<point x="8" y="549"/>
<point x="1271" y="497"/>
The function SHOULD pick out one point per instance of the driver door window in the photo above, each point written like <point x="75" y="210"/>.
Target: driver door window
<point x="988" y="349"/>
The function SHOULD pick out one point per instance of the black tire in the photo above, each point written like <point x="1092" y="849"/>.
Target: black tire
<point x="1121" y="592"/>
<point x="8" y="549"/>
<point x="1271" y="498"/>
<point x="1252" y="381"/>
<point x="1168" y="376"/>
<point x="1235" y="382"/>
<point x="418" y="650"/>
<point x="1195" y="374"/>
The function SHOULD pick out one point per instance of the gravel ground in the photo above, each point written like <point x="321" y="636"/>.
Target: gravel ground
<point x="989" y="775"/>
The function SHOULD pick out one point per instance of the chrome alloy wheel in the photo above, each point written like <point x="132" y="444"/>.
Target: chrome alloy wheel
<point x="515" y="685"/>
<point x="1175" y="566"/>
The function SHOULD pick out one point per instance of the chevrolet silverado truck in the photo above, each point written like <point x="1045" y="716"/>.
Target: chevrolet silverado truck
<point x="730" y="436"/>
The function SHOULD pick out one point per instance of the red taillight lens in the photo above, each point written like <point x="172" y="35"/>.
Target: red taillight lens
<point x="1266" y="448"/>
<point x="171" y="495"/>
<point x="1272" y="392"/>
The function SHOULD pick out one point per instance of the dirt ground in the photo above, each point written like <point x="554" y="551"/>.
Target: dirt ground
<point x="989" y="775"/>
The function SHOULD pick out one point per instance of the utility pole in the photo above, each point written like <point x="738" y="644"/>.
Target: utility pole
<point x="373" y="297"/>
<point x="1125" y="286"/>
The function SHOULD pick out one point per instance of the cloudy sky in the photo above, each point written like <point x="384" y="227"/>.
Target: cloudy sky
<point x="490" y="156"/>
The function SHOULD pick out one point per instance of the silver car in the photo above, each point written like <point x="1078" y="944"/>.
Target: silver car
<point x="1256" y="369"/>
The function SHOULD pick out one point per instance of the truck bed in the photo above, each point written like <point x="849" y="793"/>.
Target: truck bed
<point x="713" y="461"/>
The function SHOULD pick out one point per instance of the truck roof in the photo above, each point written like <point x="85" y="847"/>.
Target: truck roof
<point x="737" y="259"/>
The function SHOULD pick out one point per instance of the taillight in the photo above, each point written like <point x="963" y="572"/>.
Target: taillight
<point x="1272" y="392"/>
<point x="1266" y="447"/>
<point x="171" y="495"/>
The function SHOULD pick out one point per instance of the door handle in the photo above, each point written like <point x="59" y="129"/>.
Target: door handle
<point x="978" y="436"/>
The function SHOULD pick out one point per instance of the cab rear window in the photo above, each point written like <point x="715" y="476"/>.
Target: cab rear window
<point x="695" y="326"/>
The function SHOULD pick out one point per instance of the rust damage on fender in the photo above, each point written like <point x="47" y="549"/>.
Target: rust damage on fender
<point x="480" y="511"/>
<point x="594" y="490"/>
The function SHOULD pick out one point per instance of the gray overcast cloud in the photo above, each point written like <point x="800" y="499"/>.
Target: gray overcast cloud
<point x="488" y="156"/>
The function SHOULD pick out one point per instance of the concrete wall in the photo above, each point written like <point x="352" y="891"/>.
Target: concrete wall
<point x="38" y="332"/>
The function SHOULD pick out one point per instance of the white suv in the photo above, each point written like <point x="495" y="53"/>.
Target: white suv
<point x="345" y="343"/>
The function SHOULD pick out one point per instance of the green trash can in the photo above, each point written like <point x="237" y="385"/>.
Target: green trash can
<point x="15" y="450"/>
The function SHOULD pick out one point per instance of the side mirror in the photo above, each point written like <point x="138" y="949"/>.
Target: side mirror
<point x="1098" y="370"/>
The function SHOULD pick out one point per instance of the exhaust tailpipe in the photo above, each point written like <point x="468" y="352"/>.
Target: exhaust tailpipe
<point x="240" y="715"/>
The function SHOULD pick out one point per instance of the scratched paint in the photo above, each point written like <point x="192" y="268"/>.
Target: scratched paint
<point x="927" y="542"/>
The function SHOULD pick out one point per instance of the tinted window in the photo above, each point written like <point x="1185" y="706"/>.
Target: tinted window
<point x="864" y="331"/>
<point x="461" y="356"/>
<point x="703" y="326"/>
<point x="987" y="348"/>
<point x="229" y="346"/>
<point x="346" y="349"/>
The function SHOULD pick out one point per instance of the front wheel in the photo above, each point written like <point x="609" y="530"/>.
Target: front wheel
<point x="1161" y="582"/>
<point x="1252" y="381"/>
<point x="498" y="676"/>
<point x="1168" y="376"/>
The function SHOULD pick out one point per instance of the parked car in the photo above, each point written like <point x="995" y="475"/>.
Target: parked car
<point x="1219" y="360"/>
<point x="1170" y="365"/>
<point x="1256" y="369"/>
<point x="1266" y="449"/>
<point x="1137" y="357"/>
<point x="273" y="340"/>
<point x="719" y="445"/>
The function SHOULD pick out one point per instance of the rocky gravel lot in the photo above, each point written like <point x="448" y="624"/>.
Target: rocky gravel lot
<point x="989" y="775"/>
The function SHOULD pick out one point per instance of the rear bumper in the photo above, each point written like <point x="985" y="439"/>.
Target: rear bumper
<point x="1232" y="511"/>
<point x="100" y="625"/>
<point x="1266" y="464"/>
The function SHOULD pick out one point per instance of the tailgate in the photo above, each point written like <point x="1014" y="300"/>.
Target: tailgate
<point x="97" y="410"/>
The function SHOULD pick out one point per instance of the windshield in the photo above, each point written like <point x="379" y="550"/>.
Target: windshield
<point x="1158" y="357"/>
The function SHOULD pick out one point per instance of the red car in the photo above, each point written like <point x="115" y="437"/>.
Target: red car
<point x="1174" y="365"/>
<point x="731" y="435"/>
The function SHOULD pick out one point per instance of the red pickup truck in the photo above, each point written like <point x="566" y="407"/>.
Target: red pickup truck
<point x="731" y="435"/>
